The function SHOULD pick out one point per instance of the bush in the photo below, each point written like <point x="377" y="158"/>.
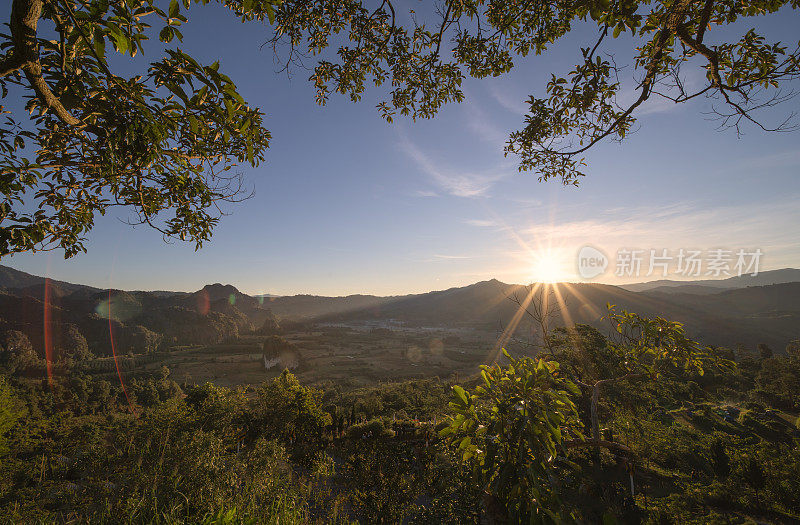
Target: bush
<point x="372" y="429"/>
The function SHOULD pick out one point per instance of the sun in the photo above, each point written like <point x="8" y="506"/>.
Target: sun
<point x="547" y="269"/>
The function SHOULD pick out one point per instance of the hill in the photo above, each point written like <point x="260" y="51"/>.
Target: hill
<point x="729" y="317"/>
<point x="786" y="275"/>
<point x="139" y="322"/>
<point x="769" y="314"/>
<point x="11" y="279"/>
<point x="306" y="307"/>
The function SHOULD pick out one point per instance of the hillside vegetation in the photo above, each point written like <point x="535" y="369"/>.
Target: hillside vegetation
<point x="715" y="441"/>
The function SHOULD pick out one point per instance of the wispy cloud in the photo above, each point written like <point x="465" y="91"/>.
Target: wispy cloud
<point x="426" y="193"/>
<point x="450" y="257"/>
<point x="459" y="184"/>
<point x="526" y="201"/>
<point x="654" y="104"/>
<point x="785" y="159"/>
<point x="506" y="99"/>
<point x="680" y="226"/>
<point x="690" y="226"/>
<point x="481" y="223"/>
<point x="480" y="123"/>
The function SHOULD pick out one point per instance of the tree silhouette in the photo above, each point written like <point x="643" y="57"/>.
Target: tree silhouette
<point x="161" y="143"/>
<point x="426" y="61"/>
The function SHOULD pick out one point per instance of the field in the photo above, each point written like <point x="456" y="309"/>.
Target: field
<point x="355" y="355"/>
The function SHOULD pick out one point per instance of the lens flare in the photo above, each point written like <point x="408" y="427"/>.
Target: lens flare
<point x="114" y="352"/>
<point x="203" y="302"/>
<point x="48" y="333"/>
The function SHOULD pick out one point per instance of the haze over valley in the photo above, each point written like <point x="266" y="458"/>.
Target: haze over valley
<point x="218" y="333"/>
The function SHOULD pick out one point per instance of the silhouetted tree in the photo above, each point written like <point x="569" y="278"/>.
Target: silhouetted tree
<point x="753" y="475"/>
<point x="81" y="137"/>
<point x="720" y="461"/>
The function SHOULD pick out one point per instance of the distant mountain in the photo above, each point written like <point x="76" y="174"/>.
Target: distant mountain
<point x="11" y="279"/>
<point x="305" y="307"/>
<point x="225" y="297"/>
<point x="140" y="321"/>
<point x="746" y="313"/>
<point x="694" y="289"/>
<point x="747" y="316"/>
<point x="786" y="275"/>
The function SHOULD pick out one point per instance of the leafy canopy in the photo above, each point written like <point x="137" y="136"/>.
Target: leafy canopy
<point x="426" y="61"/>
<point x="162" y="143"/>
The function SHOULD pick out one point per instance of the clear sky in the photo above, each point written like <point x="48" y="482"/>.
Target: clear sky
<point x="347" y="203"/>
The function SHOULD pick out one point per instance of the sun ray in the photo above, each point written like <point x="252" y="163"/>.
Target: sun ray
<point x="565" y="315"/>
<point x="512" y="325"/>
<point x="584" y="302"/>
<point x="48" y="333"/>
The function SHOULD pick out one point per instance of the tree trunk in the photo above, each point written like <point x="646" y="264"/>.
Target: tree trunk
<point x="25" y="16"/>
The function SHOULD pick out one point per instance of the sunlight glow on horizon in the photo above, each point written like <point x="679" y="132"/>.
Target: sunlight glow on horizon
<point x="548" y="268"/>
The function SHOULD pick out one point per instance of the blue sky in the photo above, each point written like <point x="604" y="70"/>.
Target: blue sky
<point x="346" y="203"/>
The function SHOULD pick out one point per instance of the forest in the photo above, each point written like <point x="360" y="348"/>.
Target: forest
<point x="677" y="433"/>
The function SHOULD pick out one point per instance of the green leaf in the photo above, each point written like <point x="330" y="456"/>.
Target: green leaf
<point x="166" y="34"/>
<point x="462" y="395"/>
<point x="485" y="377"/>
<point x="100" y="47"/>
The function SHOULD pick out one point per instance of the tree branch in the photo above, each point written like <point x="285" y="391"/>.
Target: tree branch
<point x="24" y="20"/>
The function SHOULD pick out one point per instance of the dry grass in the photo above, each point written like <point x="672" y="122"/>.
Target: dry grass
<point x="335" y="355"/>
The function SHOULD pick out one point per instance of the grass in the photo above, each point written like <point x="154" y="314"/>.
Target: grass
<point x="331" y="355"/>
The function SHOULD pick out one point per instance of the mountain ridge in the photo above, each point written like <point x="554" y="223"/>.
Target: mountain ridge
<point x="780" y="276"/>
<point x="742" y="315"/>
<point x="11" y="278"/>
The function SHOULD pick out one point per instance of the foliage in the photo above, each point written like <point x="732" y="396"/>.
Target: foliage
<point x="372" y="429"/>
<point x="158" y="142"/>
<point x="511" y="430"/>
<point x="73" y="344"/>
<point x="657" y="346"/>
<point x="426" y="61"/>
<point x="381" y="479"/>
<point x="161" y="142"/>
<point x="10" y="412"/>
<point x="291" y="413"/>
<point x="778" y="383"/>
<point x="696" y="449"/>
<point x="16" y="351"/>
<point x="585" y="353"/>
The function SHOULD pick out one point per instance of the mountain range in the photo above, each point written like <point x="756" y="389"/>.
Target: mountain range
<point x="731" y="312"/>
<point x="703" y="286"/>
